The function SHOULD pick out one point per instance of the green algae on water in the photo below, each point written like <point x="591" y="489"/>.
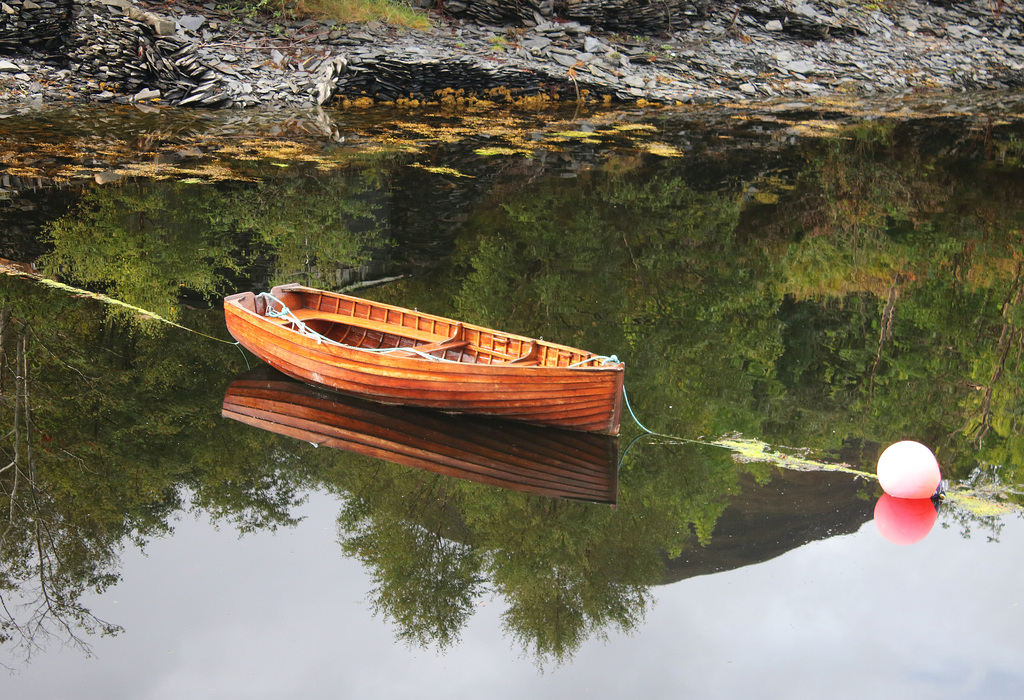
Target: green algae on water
<point x="438" y="170"/>
<point x="753" y="450"/>
<point x="501" y="151"/>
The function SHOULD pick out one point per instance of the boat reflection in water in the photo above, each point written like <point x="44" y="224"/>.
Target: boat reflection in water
<point x="542" y="461"/>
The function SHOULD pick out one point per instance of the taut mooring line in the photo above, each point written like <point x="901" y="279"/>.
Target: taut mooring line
<point x="8" y="269"/>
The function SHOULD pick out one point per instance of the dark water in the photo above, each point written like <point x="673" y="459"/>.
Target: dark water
<point x="791" y="291"/>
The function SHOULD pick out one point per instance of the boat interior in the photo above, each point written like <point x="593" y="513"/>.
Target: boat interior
<point x="361" y="324"/>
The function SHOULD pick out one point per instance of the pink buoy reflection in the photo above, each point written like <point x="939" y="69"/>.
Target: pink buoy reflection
<point x="905" y="520"/>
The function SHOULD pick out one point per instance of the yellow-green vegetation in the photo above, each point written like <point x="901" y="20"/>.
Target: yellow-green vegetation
<point x="583" y="135"/>
<point x="634" y="127"/>
<point x="663" y="149"/>
<point x="754" y="450"/>
<point x="394" y="12"/>
<point x="501" y="151"/>
<point x="980" y="505"/>
<point x="440" y="170"/>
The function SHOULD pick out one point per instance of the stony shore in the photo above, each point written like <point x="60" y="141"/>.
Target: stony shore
<point x="734" y="51"/>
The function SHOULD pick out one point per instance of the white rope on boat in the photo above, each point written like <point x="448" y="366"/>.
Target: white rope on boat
<point x="603" y="360"/>
<point x="285" y="313"/>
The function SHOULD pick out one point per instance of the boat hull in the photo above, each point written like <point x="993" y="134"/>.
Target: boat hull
<point x="584" y="398"/>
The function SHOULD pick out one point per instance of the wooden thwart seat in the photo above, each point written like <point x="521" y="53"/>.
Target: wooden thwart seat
<point x="444" y="345"/>
<point x="436" y="349"/>
<point x="430" y="343"/>
<point x="369" y="324"/>
<point x="455" y="342"/>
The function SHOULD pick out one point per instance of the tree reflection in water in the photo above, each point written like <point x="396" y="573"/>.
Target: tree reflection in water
<point x="44" y="572"/>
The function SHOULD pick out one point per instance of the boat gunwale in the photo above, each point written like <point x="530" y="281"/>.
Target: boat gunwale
<point x="414" y="363"/>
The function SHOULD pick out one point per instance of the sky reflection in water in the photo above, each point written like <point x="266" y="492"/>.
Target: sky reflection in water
<point x="211" y="615"/>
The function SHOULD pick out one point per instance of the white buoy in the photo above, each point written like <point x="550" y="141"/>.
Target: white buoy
<point x="908" y="469"/>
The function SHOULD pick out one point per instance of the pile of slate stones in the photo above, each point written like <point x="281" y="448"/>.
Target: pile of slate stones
<point x="114" y="51"/>
<point x="125" y="55"/>
<point x="33" y="24"/>
<point x="385" y="77"/>
<point x="112" y="43"/>
<point x="639" y="16"/>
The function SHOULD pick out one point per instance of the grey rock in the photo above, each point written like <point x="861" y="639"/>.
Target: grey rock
<point x="910" y="24"/>
<point x="107" y="177"/>
<point x="805" y="9"/>
<point x="597" y="72"/>
<point x="566" y="60"/>
<point x="809" y="88"/>
<point x="536" y="43"/>
<point x="802" y="67"/>
<point x="191" y="22"/>
<point x="773" y="26"/>
<point x="162" y="26"/>
<point x="229" y="70"/>
<point x="8" y="67"/>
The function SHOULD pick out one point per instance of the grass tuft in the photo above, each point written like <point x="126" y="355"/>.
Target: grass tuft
<point x="393" y="12"/>
<point x="396" y="13"/>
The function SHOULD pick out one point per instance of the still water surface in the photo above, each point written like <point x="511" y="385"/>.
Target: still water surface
<point x="819" y="283"/>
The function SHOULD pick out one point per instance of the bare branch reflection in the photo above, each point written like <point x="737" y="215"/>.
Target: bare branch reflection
<point x="40" y="588"/>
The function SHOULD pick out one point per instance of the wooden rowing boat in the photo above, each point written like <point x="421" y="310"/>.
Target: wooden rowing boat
<point x="399" y="356"/>
<point x="543" y="461"/>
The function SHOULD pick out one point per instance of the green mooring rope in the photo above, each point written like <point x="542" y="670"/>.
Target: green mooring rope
<point x="746" y="449"/>
<point x="111" y="301"/>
